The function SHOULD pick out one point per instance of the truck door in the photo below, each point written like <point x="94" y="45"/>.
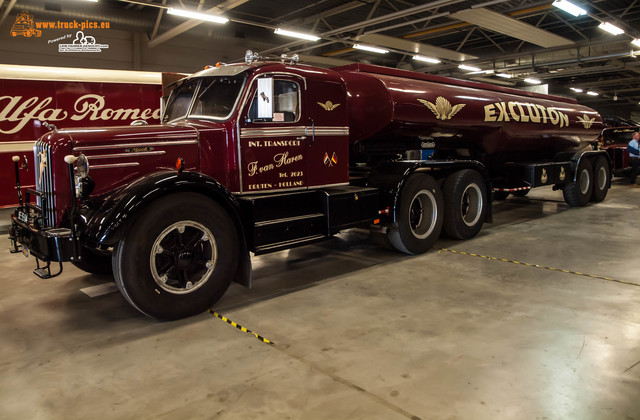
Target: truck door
<point x="273" y="140"/>
<point x="328" y="137"/>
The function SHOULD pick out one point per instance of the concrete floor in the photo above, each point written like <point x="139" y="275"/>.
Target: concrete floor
<point x="359" y="332"/>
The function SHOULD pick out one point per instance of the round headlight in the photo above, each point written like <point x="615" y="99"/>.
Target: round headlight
<point x="82" y="164"/>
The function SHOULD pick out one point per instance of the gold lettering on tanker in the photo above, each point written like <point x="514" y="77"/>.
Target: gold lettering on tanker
<point x="524" y="112"/>
<point x="274" y="143"/>
<point x="93" y="107"/>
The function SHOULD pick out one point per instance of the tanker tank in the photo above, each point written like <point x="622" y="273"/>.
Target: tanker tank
<point x="462" y="118"/>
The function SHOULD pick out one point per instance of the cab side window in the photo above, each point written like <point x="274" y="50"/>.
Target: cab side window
<point x="286" y="103"/>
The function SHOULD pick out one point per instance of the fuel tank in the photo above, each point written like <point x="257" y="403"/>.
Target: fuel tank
<point x="452" y="114"/>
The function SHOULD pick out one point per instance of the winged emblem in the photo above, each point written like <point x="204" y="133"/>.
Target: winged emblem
<point x="442" y="109"/>
<point x="586" y="121"/>
<point x="328" y="106"/>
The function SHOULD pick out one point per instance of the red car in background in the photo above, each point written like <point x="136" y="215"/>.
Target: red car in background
<point x="615" y="140"/>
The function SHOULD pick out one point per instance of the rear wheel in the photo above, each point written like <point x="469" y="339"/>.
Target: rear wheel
<point x="577" y="193"/>
<point x="601" y="179"/>
<point x="420" y="216"/>
<point x="465" y="206"/>
<point x="179" y="257"/>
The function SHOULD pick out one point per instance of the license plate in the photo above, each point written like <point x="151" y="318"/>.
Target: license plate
<point x="23" y="217"/>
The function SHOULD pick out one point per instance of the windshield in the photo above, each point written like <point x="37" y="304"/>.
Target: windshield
<point x="212" y="97"/>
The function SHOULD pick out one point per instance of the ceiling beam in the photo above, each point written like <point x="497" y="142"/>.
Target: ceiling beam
<point x="192" y="23"/>
<point x="7" y="10"/>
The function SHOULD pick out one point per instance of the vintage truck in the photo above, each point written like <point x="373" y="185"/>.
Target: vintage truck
<point x="263" y="156"/>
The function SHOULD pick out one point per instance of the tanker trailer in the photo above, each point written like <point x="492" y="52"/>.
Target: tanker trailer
<point x="521" y="139"/>
<point x="264" y="156"/>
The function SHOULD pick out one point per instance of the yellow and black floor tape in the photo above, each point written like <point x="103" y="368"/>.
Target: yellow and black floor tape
<point x="593" y="276"/>
<point x="241" y="328"/>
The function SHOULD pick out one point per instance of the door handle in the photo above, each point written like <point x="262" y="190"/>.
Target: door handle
<point x="301" y="138"/>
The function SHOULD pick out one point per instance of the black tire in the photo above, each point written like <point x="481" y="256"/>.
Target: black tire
<point x="94" y="262"/>
<point x="500" y="195"/>
<point x="419" y="217"/>
<point x="521" y="193"/>
<point x="178" y="258"/>
<point x="601" y="179"/>
<point x="577" y="193"/>
<point x="465" y="204"/>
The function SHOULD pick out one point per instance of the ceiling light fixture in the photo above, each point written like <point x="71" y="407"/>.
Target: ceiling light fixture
<point x="468" y="68"/>
<point x="198" y="16"/>
<point x="308" y="37"/>
<point x="577" y="90"/>
<point x="427" y="59"/>
<point x="569" y="7"/>
<point x="611" y="28"/>
<point x="532" y="80"/>
<point x="592" y="93"/>
<point x="371" y="49"/>
<point x="636" y="42"/>
<point x="504" y="75"/>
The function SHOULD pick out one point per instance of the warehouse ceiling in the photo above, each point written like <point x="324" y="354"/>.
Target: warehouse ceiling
<point x="518" y="38"/>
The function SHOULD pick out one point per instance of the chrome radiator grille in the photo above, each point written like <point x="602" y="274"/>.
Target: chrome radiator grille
<point x="44" y="182"/>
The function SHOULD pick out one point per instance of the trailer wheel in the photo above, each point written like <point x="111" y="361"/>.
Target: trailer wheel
<point x="601" y="179"/>
<point x="93" y="262"/>
<point x="577" y="193"/>
<point x="420" y="216"/>
<point x="178" y="258"/>
<point x="465" y="206"/>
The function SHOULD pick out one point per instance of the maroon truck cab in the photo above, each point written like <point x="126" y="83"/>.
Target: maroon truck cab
<point x="264" y="156"/>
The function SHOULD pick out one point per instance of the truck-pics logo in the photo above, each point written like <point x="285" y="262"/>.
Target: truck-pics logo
<point x="442" y="109"/>
<point x="25" y="26"/>
<point x="82" y="43"/>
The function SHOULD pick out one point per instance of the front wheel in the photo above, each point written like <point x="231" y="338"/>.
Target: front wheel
<point x="465" y="206"/>
<point x="601" y="179"/>
<point x="178" y="258"/>
<point x="578" y="193"/>
<point x="419" y="216"/>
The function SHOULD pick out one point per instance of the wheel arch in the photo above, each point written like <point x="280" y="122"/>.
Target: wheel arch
<point x="390" y="178"/>
<point x="108" y="223"/>
<point x="576" y="157"/>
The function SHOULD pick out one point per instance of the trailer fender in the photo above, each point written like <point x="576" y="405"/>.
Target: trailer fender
<point x="107" y="224"/>
<point x="576" y="157"/>
<point x="390" y="178"/>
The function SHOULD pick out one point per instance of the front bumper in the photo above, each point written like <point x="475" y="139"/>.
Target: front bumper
<point x="46" y="244"/>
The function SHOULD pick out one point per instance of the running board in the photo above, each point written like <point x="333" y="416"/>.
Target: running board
<point x="265" y="249"/>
